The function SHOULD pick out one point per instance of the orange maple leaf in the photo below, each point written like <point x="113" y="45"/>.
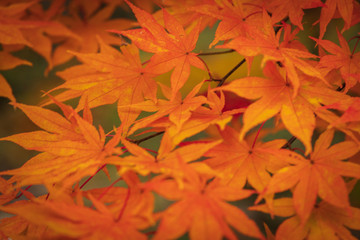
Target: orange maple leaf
<point x="177" y="109"/>
<point x="5" y="89"/>
<point x="76" y="221"/>
<point x="325" y="222"/>
<point x="201" y="209"/>
<point x="71" y="148"/>
<point x="202" y="117"/>
<point x="277" y="96"/>
<point x="109" y="76"/>
<point x="292" y="9"/>
<point x="318" y="175"/>
<point x="350" y="108"/>
<point x="341" y="58"/>
<point x="88" y="20"/>
<point x="237" y="18"/>
<point x="241" y="161"/>
<point x="344" y="7"/>
<point x="172" y="45"/>
<point x="268" y="43"/>
<point x="165" y="162"/>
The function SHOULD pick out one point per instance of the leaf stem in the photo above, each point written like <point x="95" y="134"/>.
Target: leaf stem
<point x="353" y="51"/>
<point x="27" y="188"/>
<point x="87" y="180"/>
<point x="207" y="68"/>
<point x="124" y="205"/>
<point x="109" y="187"/>
<point x="257" y="135"/>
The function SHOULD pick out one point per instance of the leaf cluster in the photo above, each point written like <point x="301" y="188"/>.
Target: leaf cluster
<point x="216" y="141"/>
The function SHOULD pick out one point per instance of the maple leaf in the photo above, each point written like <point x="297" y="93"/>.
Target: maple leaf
<point x="203" y="117"/>
<point x="178" y="110"/>
<point x="7" y="191"/>
<point x="201" y="209"/>
<point x="5" y="89"/>
<point x="268" y="44"/>
<point x="326" y="221"/>
<point x="165" y="162"/>
<point x="292" y="9"/>
<point x="14" y="227"/>
<point x="109" y="76"/>
<point x="172" y="45"/>
<point x="240" y="161"/>
<point x="351" y="109"/>
<point x="185" y="11"/>
<point x="131" y="202"/>
<point x="11" y="25"/>
<point x="11" y="61"/>
<point x="344" y="7"/>
<point x="32" y="31"/>
<point x="237" y="18"/>
<point x="341" y="58"/>
<point x="318" y="175"/>
<point x="70" y="220"/>
<point x="71" y="148"/>
<point x="88" y="20"/>
<point x="277" y="96"/>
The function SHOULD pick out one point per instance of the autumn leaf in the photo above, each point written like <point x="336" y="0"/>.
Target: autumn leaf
<point x="341" y="58"/>
<point x="165" y="162"/>
<point x="33" y="32"/>
<point x="201" y="209"/>
<point x="345" y="8"/>
<point x="326" y="221"/>
<point x="7" y="191"/>
<point x="237" y="19"/>
<point x="178" y="110"/>
<point x="242" y="161"/>
<point x="11" y="25"/>
<point x="292" y="9"/>
<point x="70" y="220"/>
<point x="185" y="12"/>
<point x="11" y="61"/>
<point x="76" y="143"/>
<point x="88" y="20"/>
<point x="320" y="175"/>
<point x="5" y="89"/>
<point x="172" y="46"/>
<point x="350" y="108"/>
<point x="203" y="117"/>
<point x="276" y="96"/>
<point x="109" y="76"/>
<point x="268" y="44"/>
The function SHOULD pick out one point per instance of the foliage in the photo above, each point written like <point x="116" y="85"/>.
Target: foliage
<point x="219" y="140"/>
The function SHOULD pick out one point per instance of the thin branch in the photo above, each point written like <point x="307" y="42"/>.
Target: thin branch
<point x="289" y="142"/>
<point x="222" y="81"/>
<point x="124" y="204"/>
<point x="138" y="141"/>
<point x="215" y="53"/>
<point x="207" y="68"/>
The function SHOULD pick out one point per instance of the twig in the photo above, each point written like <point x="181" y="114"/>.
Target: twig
<point x="138" y="141"/>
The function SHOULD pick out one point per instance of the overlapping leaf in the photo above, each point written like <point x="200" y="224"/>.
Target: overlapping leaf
<point x="320" y="175"/>
<point x="268" y="44"/>
<point x="326" y="221"/>
<point x="201" y="209"/>
<point x="172" y="45"/>
<point x="70" y="148"/>
<point x="110" y="76"/>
